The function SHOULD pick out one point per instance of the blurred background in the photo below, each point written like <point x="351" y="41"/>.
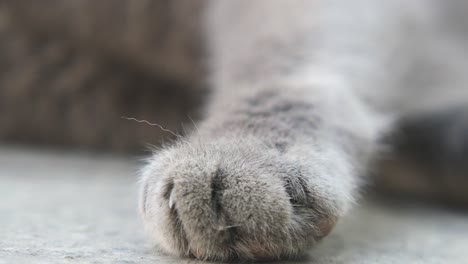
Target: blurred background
<point x="73" y="74"/>
<point x="70" y="70"/>
<point x="80" y="74"/>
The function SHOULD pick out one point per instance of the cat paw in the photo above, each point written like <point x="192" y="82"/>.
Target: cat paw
<point x="238" y="200"/>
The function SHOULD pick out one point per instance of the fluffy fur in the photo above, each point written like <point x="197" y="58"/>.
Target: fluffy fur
<point x="303" y="93"/>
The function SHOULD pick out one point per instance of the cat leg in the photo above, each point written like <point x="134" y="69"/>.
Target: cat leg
<point x="291" y="127"/>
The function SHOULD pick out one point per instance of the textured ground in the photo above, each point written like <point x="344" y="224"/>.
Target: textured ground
<point x="81" y="208"/>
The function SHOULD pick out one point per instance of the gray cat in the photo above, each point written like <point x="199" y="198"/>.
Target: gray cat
<point x="304" y="93"/>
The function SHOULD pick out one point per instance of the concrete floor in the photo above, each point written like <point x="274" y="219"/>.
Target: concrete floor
<point x="80" y="208"/>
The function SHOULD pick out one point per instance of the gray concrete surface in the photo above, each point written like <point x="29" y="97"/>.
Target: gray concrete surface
<point x="81" y="208"/>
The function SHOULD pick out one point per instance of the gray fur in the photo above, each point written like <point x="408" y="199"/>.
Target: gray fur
<point x="304" y="91"/>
